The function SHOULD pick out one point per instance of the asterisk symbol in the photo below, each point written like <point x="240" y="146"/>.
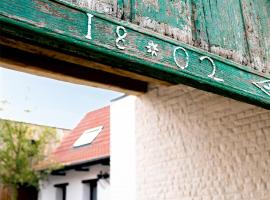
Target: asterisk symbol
<point x="152" y="48"/>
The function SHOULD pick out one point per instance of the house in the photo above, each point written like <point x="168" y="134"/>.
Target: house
<point x="200" y="124"/>
<point x="85" y="157"/>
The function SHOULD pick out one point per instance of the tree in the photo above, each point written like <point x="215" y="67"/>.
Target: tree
<point x="21" y="148"/>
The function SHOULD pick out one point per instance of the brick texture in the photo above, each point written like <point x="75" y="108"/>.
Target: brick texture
<point x="194" y="145"/>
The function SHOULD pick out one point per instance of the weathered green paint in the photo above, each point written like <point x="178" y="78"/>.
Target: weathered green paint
<point x="223" y="24"/>
<point x="235" y="29"/>
<point x="125" y="9"/>
<point x="64" y="28"/>
<point x="256" y="15"/>
<point x="169" y="12"/>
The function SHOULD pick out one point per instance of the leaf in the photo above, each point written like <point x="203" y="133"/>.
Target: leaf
<point x="22" y="147"/>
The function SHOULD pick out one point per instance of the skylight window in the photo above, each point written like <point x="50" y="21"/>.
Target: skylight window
<point x="88" y="136"/>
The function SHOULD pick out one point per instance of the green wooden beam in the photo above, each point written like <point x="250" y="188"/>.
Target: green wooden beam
<point x="77" y="32"/>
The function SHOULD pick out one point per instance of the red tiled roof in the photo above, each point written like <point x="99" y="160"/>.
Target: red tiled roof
<point x="66" y="154"/>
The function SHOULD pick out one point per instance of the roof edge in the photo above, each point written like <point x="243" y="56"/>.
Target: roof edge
<point x="104" y="160"/>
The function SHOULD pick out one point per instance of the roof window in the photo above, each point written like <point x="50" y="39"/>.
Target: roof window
<point x="88" y="136"/>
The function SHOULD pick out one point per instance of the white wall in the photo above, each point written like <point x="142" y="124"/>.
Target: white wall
<point x="123" y="149"/>
<point x="76" y="190"/>
<point x="194" y="145"/>
<point x="103" y="188"/>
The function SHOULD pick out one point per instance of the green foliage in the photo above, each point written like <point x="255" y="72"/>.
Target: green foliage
<point x="21" y="148"/>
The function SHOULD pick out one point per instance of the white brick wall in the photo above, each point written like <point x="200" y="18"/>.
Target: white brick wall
<point x="194" y="145"/>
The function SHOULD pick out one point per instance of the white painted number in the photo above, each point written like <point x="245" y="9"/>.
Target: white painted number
<point x="120" y="37"/>
<point x="187" y="57"/>
<point x="264" y="86"/>
<point x="212" y="75"/>
<point x="89" y="34"/>
<point x="267" y="86"/>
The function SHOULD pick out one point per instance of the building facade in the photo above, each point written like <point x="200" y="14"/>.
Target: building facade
<point x="83" y="158"/>
<point x="185" y="143"/>
<point x="189" y="144"/>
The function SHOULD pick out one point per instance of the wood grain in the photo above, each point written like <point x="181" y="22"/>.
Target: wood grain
<point x="59" y="27"/>
<point x="237" y="30"/>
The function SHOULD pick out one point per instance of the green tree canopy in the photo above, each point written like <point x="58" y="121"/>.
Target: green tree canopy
<point x="21" y="148"/>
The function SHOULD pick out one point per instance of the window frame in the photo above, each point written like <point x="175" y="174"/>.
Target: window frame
<point x="92" y="184"/>
<point x="63" y="187"/>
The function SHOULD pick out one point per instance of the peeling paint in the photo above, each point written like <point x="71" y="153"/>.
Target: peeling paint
<point x="237" y="30"/>
<point x="102" y="6"/>
<point x="165" y="29"/>
<point x="132" y="49"/>
<point x="47" y="9"/>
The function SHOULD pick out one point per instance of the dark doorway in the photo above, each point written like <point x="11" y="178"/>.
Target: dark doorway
<point x="27" y="193"/>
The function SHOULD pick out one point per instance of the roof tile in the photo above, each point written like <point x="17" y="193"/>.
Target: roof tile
<point x="66" y="154"/>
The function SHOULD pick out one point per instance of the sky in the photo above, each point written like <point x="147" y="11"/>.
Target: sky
<point x="39" y="100"/>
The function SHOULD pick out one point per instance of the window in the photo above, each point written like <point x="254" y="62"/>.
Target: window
<point x="61" y="190"/>
<point x="91" y="189"/>
<point x="88" y="136"/>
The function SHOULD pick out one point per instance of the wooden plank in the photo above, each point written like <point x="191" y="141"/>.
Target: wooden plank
<point x="107" y="7"/>
<point x="219" y="28"/>
<point x="256" y="16"/>
<point x="33" y="49"/>
<point x="170" y="18"/>
<point x="124" y="46"/>
<point x="69" y="72"/>
<point x="238" y="30"/>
